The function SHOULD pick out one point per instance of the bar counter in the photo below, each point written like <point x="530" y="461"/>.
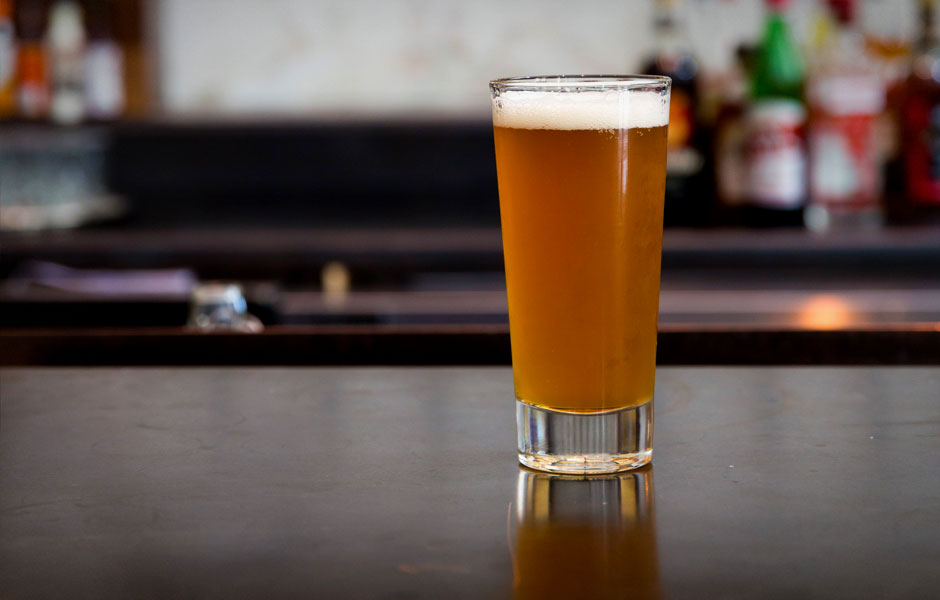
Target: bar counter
<point x="768" y="482"/>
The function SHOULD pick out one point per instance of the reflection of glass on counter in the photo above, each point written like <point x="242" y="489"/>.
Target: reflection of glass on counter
<point x="585" y="537"/>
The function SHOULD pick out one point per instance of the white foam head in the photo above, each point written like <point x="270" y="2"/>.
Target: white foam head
<point x="614" y="109"/>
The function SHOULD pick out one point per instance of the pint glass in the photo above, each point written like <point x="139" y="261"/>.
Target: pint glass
<point x="581" y="163"/>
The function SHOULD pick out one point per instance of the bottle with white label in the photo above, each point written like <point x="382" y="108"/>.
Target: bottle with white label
<point x="845" y="98"/>
<point x="65" y="40"/>
<point x="105" y="96"/>
<point x="775" y="164"/>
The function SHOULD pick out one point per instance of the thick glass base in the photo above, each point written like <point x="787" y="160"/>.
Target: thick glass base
<point x="584" y="443"/>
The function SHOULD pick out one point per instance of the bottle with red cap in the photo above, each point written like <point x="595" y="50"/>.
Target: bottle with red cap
<point x="775" y="168"/>
<point x="845" y="97"/>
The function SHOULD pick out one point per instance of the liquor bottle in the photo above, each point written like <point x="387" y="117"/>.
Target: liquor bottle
<point x="921" y="122"/>
<point x="846" y="97"/>
<point x="890" y="49"/>
<point x="32" y="69"/>
<point x="7" y="61"/>
<point x="65" y="39"/>
<point x="672" y="57"/>
<point x="730" y="140"/>
<point x="775" y="179"/>
<point x="104" y="64"/>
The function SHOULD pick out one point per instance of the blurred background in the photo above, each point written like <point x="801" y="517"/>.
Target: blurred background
<point x="282" y="167"/>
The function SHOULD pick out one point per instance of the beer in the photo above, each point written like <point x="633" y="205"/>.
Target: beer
<point x="581" y="185"/>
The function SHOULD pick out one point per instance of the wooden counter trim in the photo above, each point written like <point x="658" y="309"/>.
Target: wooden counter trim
<point x="890" y="344"/>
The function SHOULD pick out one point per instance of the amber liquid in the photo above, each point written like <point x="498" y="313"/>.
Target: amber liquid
<point x="582" y="214"/>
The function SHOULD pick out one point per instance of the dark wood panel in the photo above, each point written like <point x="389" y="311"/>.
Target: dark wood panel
<point x="896" y="344"/>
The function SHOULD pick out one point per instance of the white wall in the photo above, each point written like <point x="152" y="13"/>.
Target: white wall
<point x="349" y="58"/>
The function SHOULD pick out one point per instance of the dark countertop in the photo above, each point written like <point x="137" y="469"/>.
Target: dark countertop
<point x="403" y="483"/>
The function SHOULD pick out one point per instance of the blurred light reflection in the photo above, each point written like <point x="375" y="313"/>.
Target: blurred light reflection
<point x="825" y="311"/>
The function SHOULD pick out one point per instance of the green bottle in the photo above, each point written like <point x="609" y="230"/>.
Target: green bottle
<point x="776" y="167"/>
<point x="778" y="70"/>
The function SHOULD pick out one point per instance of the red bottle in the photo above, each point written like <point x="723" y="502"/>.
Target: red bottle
<point x="921" y="123"/>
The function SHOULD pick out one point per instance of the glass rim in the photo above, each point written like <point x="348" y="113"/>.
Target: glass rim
<point x="575" y="83"/>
